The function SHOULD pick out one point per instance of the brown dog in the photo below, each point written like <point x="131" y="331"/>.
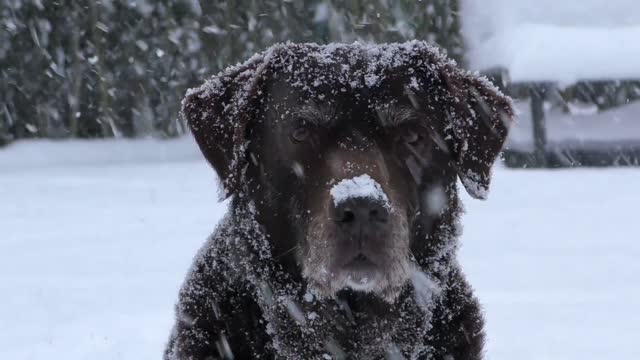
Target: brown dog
<point x="341" y="237"/>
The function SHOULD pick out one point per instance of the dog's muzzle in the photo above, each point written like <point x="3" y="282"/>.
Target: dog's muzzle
<point x="361" y="211"/>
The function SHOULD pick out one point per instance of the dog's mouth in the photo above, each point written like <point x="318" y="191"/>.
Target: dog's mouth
<point x="360" y="262"/>
<point x="361" y="273"/>
<point x="375" y="263"/>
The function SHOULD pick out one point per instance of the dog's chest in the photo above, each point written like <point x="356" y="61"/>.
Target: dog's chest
<point x="340" y="329"/>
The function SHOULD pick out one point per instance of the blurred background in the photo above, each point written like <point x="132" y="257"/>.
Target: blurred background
<point x="101" y="69"/>
<point x="104" y="198"/>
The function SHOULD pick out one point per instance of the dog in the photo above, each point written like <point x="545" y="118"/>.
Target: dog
<point x="340" y="241"/>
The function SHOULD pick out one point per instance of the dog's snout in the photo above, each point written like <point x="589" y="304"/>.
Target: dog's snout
<point x="357" y="212"/>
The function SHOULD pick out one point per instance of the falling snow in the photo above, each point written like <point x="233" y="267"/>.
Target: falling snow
<point x="97" y="234"/>
<point x="126" y="297"/>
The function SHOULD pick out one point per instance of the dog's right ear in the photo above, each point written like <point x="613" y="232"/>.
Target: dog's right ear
<point x="219" y="113"/>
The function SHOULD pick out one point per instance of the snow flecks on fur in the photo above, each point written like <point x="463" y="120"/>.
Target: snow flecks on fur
<point x="300" y="323"/>
<point x="294" y="311"/>
<point x="307" y="65"/>
<point x="362" y="186"/>
<point x="297" y="320"/>
<point x="435" y="200"/>
<point x="297" y="169"/>
<point x="308" y="297"/>
<point x="223" y="347"/>
<point x="313" y="69"/>
<point x="266" y="292"/>
<point x="425" y="289"/>
<point x="474" y="185"/>
<point x="394" y="353"/>
<point x="334" y="349"/>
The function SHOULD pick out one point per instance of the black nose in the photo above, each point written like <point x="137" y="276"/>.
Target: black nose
<point x="357" y="212"/>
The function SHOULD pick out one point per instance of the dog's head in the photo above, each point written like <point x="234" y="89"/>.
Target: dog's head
<point x="347" y="149"/>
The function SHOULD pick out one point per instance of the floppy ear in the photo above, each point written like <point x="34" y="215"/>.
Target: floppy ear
<point x="479" y="117"/>
<point x="218" y="114"/>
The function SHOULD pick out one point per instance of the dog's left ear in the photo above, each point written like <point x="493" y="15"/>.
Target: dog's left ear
<point x="479" y="117"/>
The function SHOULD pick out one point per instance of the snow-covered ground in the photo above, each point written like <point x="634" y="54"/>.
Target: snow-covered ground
<point x="585" y="128"/>
<point x="550" y="40"/>
<point x="97" y="237"/>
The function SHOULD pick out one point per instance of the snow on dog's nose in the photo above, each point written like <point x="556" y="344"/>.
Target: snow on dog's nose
<point x="362" y="186"/>
<point x="360" y="207"/>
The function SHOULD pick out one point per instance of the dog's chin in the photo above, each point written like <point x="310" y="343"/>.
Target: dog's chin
<point x="373" y="281"/>
<point x="362" y="281"/>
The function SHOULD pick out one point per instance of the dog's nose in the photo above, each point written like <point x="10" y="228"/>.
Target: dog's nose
<point x="357" y="212"/>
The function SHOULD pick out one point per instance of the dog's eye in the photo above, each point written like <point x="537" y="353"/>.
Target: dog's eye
<point x="411" y="137"/>
<point x="300" y="134"/>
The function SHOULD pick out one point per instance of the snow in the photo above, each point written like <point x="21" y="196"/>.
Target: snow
<point x="378" y="59"/>
<point x="294" y="311"/>
<point x="556" y="267"/>
<point x="618" y="126"/>
<point x="96" y="243"/>
<point x="425" y="289"/>
<point x="362" y="186"/>
<point x="44" y="154"/>
<point x="305" y="66"/>
<point x="551" y="41"/>
<point x="570" y="53"/>
<point x="92" y="256"/>
<point x="435" y="200"/>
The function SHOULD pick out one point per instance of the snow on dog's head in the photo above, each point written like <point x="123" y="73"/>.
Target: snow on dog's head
<point x="338" y="147"/>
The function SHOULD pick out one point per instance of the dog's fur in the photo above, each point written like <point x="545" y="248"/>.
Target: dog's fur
<point x="276" y="279"/>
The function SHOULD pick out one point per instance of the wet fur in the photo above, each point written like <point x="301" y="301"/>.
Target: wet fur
<point x="219" y="305"/>
<point x="246" y="296"/>
<point x="398" y="270"/>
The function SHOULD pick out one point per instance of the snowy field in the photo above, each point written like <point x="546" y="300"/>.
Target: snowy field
<point x="97" y="237"/>
<point x="550" y="40"/>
